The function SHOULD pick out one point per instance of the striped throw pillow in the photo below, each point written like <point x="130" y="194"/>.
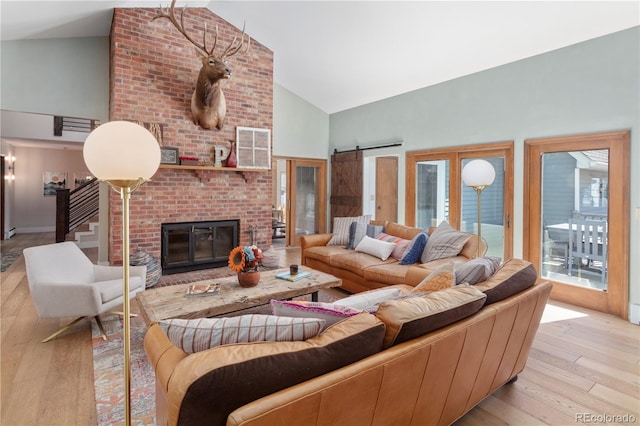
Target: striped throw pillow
<point x="195" y="335"/>
<point x="341" y="227"/>
<point x="400" y="244"/>
<point x="303" y="309"/>
<point x="445" y="242"/>
<point x="477" y="270"/>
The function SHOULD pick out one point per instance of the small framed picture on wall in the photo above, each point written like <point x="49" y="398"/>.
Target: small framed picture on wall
<point x="169" y="156"/>
<point x="52" y="181"/>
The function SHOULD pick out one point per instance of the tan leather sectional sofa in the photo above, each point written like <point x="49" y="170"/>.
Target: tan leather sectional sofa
<point x="352" y="374"/>
<point x="362" y="272"/>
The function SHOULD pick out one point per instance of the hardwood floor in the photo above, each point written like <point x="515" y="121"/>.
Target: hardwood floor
<point x="584" y="366"/>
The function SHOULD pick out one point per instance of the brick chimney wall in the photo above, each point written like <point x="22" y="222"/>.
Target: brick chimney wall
<point x="153" y="74"/>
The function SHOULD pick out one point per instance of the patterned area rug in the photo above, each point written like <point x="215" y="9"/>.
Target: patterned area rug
<point x="8" y="258"/>
<point x="108" y="371"/>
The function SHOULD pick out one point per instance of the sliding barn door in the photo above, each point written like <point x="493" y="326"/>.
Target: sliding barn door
<point x="346" y="184"/>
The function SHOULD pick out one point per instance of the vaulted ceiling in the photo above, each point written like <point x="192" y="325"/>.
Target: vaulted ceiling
<point x="338" y="54"/>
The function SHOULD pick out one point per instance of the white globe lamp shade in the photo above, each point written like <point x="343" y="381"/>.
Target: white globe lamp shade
<point x="478" y="173"/>
<point x="121" y="151"/>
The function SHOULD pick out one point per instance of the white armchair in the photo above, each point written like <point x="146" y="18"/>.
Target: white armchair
<point x="63" y="283"/>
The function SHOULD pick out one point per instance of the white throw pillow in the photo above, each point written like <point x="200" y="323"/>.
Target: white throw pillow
<point x="374" y="247"/>
<point x="369" y="300"/>
<point x="194" y="335"/>
<point x="341" y="226"/>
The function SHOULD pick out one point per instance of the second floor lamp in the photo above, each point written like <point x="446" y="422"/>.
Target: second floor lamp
<point x="478" y="175"/>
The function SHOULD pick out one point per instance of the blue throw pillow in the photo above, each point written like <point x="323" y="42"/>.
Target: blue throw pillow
<point x="374" y="230"/>
<point x="415" y="249"/>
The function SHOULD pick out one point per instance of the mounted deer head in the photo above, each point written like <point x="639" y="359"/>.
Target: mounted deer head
<point x="208" y="106"/>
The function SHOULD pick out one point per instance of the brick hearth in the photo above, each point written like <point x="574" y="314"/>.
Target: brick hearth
<point x="153" y="74"/>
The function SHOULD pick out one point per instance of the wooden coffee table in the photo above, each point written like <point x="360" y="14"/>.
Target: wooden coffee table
<point x="171" y="302"/>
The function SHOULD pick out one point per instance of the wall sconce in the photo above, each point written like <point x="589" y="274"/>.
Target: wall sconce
<point x="11" y="168"/>
<point x="478" y="175"/>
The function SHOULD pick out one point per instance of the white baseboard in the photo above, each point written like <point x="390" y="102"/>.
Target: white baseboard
<point x="634" y="313"/>
<point x="10" y="233"/>
<point x="32" y="230"/>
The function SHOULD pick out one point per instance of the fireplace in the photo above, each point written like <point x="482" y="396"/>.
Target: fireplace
<point x="190" y="246"/>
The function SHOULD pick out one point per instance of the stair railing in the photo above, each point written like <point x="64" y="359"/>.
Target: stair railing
<point x="73" y="208"/>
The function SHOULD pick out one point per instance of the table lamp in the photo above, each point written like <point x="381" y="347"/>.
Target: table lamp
<point x="124" y="155"/>
<point x="478" y="175"/>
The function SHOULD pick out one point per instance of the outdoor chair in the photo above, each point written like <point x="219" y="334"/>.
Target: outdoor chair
<point x="557" y="241"/>
<point x="64" y="283"/>
<point x="588" y="241"/>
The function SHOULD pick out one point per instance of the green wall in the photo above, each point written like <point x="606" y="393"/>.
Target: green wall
<point x="300" y="129"/>
<point x="65" y="76"/>
<point x="592" y="86"/>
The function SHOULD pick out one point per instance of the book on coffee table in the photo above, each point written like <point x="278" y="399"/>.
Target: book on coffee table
<point x="195" y="290"/>
<point x="287" y="275"/>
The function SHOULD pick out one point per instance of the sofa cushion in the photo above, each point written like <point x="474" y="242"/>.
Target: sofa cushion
<point x="470" y="249"/>
<point x="402" y="231"/>
<point x="440" y="279"/>
<point x="328" y="312"/>
<point x="375" y="247"/>
<point x="477" y="270"/>
<point x="356" y="262"/>
<point x="400" y="244"/>
<point x="435" y="264"/>
<point x="413" y="253"/>
<point x="368" y="300"/>
<point x="512" y="277"/>
<point x="228" y="377"/>
<point x="410" y="317"/>
<point x="341" y="226"/>
<point x="388" y="273"/>
<point x="324" y="253"/>
<point x="444" y="242"/>
<point x="194" y="335"/>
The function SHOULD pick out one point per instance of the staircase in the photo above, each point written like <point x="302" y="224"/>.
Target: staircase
<point x="86" y="235"/>
<point x="77" y="214"/>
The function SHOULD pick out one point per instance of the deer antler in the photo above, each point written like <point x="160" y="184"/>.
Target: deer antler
<point x="233" y="48"/>
<point x="170" y="15"/>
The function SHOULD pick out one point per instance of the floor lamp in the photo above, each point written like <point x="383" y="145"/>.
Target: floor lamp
<point x="124" y="155"/>
<point x="478" y="175"/>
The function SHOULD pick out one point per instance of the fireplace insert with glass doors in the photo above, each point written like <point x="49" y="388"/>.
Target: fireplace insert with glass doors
<point x="190" y="246"/>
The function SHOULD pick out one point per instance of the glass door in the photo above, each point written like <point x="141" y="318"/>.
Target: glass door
<point x="574" y="210"/>
<point x="299" y="205"/>
<point x="432" y="195"/>
<point x="578" y="230"/>
<point x="307" y="199"/>
<point x="492" y="211"/>
<point x="436" y="193"/>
